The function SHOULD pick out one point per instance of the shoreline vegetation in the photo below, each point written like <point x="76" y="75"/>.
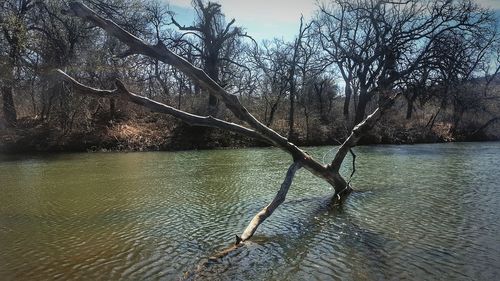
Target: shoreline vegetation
<point x="156" y="133"/>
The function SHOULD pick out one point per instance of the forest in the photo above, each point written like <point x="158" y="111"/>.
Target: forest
<point x="440" y="57"/>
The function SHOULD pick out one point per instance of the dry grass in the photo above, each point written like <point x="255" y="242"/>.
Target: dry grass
<point x="137" y="135"/>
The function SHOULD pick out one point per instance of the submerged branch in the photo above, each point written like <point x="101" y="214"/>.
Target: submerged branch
<point x="254" y="223"/>
<point x="269" y="209"/>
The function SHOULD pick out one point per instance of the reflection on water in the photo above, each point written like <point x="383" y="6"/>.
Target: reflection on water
<point x="423" y="212"/>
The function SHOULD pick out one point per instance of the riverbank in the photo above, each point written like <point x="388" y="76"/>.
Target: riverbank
<point x="152" y="134"/>
<point x="130" y="135"/>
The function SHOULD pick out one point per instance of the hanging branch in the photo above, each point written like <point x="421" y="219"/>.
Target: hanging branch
<point x="353" y="164"/>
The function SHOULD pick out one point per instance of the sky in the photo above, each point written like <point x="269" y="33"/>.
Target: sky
<point x="493" y="4"/>
<point x="266" y="19"/>
<point x="262" y="19"/>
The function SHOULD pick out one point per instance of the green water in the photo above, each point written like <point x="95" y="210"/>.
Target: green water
<point x="423" y="212"/>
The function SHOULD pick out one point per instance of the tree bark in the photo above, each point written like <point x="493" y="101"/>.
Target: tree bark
<point x="291" y="133"/>
<point x="112" y="109"/>
<point x="9" y="109"/>
<point x="361" y="107"/>
<point x="347" y="101"/>
<point x="212" y="70"/>
<point x="409" y="108"/>
<point x="269" y="209"/>
<point x="272" y="111"/>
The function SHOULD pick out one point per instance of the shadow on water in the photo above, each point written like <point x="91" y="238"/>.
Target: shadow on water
<point x="12" y="158"/>
<point x="316" y="226"/>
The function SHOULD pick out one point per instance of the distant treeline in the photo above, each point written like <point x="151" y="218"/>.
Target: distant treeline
<point x="441" y="56"/>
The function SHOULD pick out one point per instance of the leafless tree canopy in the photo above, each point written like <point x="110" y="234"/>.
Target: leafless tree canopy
<point x="380" y="45"/>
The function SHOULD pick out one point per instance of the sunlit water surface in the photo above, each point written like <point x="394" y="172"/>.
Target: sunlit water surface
<point x="423" y="212"/>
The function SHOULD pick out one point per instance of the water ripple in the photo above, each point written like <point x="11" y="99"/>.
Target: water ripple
<point x="426" y="212"/>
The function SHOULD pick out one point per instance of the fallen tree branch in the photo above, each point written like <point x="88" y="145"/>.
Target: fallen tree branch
<point x="269" y="209"/>
<point x="163" y="54"/>
<point x="358" y="131"/>
<point x="353" y="164"/>
<point x="121" y="92"/>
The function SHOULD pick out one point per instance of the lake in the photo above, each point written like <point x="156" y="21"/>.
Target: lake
<point x="420" y="212"/>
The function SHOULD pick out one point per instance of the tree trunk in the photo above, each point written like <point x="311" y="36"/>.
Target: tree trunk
<point x="213" y="72"/>
<point x="458" y="113"/>
<point x="361" y="108"/>
<point x="179" y="98"/>
<point x="410" y="105"/>
<point x="291" y="133"/>
<point x="409" y="108"/>
<point x="347" y="101"/>
<point x="355" y="97"/>
<point x="306" y="115"/>
<point x="212" y="105"/>
<point x="433" y="119"/>
<point x="9" y="109"/>
<point x="274" y="107"/>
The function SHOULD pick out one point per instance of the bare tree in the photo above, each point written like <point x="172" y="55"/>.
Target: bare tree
<point x="14" y="31"/>
<point x="377" y="45"/>
<point x="214" y="34"/>
<point x="316" y="98"/>
<point x="297" y="47"/>
<point x="272" y="60"/>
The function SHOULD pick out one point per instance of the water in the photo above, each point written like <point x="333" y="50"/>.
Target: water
<point x="423" y="212"/>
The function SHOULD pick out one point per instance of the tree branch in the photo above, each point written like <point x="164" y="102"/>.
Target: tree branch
<point x="183" y="27"/>
<point x="269" y="209"/>
<point x="358" y="131"/>
<point x="121" y="92"/>
<point x="162" y="53"/>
